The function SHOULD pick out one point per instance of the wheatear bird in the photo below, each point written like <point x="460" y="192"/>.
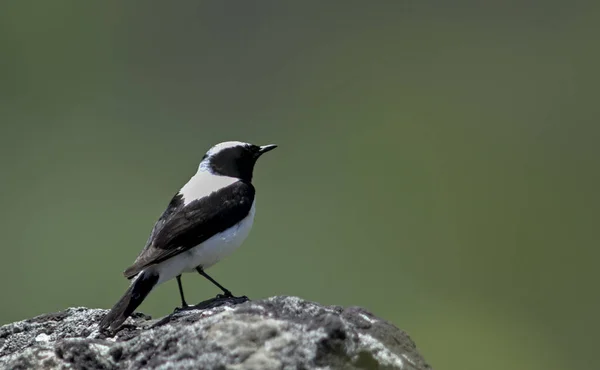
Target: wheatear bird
<point x="206" y="220"/>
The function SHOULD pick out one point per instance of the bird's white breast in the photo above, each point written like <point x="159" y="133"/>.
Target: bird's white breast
<point x="210" y="251"/>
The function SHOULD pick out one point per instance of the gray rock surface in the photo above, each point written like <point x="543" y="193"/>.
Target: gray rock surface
<point x="275" y="333"/>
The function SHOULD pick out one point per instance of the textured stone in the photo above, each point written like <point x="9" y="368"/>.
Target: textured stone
<point x="275" y="333"/>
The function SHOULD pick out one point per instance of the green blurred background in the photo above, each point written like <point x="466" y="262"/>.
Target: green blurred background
<point x="438" y="161"/>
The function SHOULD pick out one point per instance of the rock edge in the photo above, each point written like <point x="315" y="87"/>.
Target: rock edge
<point x="275" y="333"/>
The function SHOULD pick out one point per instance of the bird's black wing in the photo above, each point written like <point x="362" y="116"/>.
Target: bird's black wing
<point x="182" y="227"/>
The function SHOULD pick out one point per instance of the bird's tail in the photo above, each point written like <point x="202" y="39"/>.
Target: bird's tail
<point x="133" y="297"/>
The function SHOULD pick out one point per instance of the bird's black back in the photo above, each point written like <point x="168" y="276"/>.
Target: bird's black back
<point x="182" y="227"/>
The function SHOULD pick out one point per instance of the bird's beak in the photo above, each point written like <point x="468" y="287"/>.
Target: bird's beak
<point x="266" y="148"/>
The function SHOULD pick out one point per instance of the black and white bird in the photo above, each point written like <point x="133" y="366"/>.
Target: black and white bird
<point x="205" y="221"/>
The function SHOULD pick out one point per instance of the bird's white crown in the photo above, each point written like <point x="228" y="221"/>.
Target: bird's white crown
<point x="224" y="145"/>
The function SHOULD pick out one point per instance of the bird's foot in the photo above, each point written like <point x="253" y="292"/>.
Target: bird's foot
<point x="226" y="294"/>
<point x="220" y="300"/>
<point x="184" y="307"/>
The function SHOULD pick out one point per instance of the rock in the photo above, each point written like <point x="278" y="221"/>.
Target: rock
<point x="275" y="333"/>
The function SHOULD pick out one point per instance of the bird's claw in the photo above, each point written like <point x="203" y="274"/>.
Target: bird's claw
<point x="226" y="294"/>
<point x="183" y="308"/>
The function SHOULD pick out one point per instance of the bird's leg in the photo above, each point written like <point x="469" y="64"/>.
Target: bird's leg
<point x="226" y="292"/>
<point x="184" y="304"/>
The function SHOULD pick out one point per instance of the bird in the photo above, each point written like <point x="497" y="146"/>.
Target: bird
<point x="205" y="221"/>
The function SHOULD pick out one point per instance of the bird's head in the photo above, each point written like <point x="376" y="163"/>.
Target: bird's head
<point x="233" y="159"/>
